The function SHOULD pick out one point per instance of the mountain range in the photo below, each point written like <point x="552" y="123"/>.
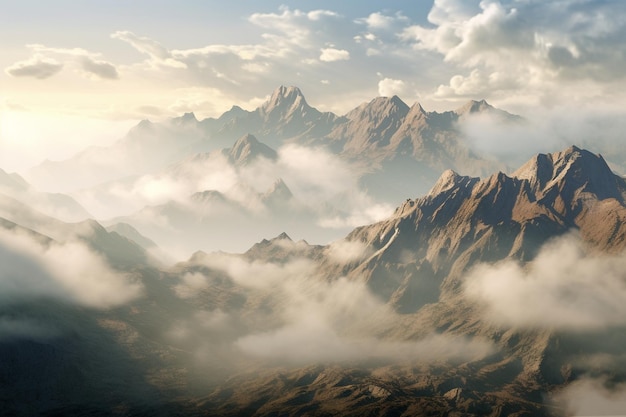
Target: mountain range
<point x="390" y="320"/>
<point x="381" y="130"/>
<point x="379" y="151"/>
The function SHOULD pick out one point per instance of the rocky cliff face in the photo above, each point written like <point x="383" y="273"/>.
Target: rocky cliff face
<point x="464" y="220"/>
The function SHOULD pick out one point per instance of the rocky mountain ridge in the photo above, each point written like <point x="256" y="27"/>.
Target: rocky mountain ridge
<point x="379" y="131"/>
<point x="213" y="335"/>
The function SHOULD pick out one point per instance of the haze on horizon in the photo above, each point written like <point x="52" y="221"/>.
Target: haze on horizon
<point x="77" y="74"/>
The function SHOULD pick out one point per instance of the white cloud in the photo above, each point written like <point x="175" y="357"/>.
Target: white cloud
<point x="592" y="397"/>
<point x="388" y="87"/>
<point x="596" y="128"/>
<point x="314" y="320"/>
<point x="191" y="284"/>
<point x="333" y="54"/>
<point x="564" y="287"/>
<point x="379" y="21"/>
<point x="159" y="55"/>
<point x="38" y="66"/>
<point x="344" y="251"/>
<point x="69" y="272"/>
<point x="41" y="65"/>
<point x="556" y="44"/>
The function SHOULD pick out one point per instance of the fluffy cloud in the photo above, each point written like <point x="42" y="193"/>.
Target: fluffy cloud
<point x="555" y="43"/>
<point x="323" y="204"/>
<point x="592" y="397"/>
<point x="314" y="320"/>
<point x="38" y="67"/>
<point x="333" y="54"/>
<point x="68" y="272"/>
<point x="344" y="251"/>
<point x="388" y="87"/>
<point x="42" y="65"/>
<point x="100" y="69"/>
<point x="565" y="287"/>
<point x="379" y="21"/>
<point x="596" y="128"/>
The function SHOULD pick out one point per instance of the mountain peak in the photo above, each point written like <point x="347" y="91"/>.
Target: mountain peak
<point x="380" y="107"/>
<point x="450" y="179"/>
<point x="572" y="171"/>
<point x="247" y="148"/>
<point x="186" y="118"/>
<point x="474" y="106"/>
<point x="282" y="236"/>
<point x="285" y="98"/>
<point x="278" y="194"/>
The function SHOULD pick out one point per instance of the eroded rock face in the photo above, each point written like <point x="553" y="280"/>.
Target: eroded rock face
<point x="464" y="220"/>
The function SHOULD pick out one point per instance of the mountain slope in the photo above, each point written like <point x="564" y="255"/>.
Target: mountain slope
<point x="464" y="220"/>
<point x="56" y="205"/>
<point x="417" y="260"/>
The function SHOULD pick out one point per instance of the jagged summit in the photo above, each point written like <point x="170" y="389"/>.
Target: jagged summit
<point x="208" y="196"/>
<point x="474" y="106"/>
<point x="247" y="148"/>
<point x="572" y="171"/>
<point x="185" y="119"/>
<point x="282" y="236"/>
<point x="416" y="109"/>
<point x="285" y="99"/>
<point x="278" y="192"/>
<point x="450" y="179"/>
<point x="465" y="220"/>
<point x="371" y="125"/>
<point x="378" y="108"/>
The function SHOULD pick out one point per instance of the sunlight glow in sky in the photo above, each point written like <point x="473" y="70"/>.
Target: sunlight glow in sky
<point x="93" y="67"/>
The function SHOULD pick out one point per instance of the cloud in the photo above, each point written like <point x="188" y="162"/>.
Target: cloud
<point x="191" y="284"/>
<point x="323" y="344"/>
<point x="38" y="66"/>
<point x="564" y="287"/>
<point x="68" y="272"/>
<point x="332" y="55"/>
<point x="388" y="87"/>
<point x="596" y="128"/>
<point x="41" y="65"/>
<point x="557" y="44"/>
<point x="159" y="55"/>
<point x="101" y="69"/>
<point x="311" y="320"/>
<point x="379" y="21"/>
<point x="592" y="397"/>
<point x="343" y="251"/>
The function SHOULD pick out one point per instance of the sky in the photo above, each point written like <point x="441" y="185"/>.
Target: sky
<point x="76" y="73"/>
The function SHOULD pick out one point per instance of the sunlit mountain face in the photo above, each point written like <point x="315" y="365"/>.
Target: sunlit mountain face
<point x="341" y="209"/>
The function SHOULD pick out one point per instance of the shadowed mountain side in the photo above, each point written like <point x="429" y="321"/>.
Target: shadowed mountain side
<point x="119" y="250"/>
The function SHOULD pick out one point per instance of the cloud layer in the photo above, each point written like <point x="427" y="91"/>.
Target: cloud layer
<point x="308" y="320"/>
<point x="68" y="272"/>
<point x="565" y="287"/>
